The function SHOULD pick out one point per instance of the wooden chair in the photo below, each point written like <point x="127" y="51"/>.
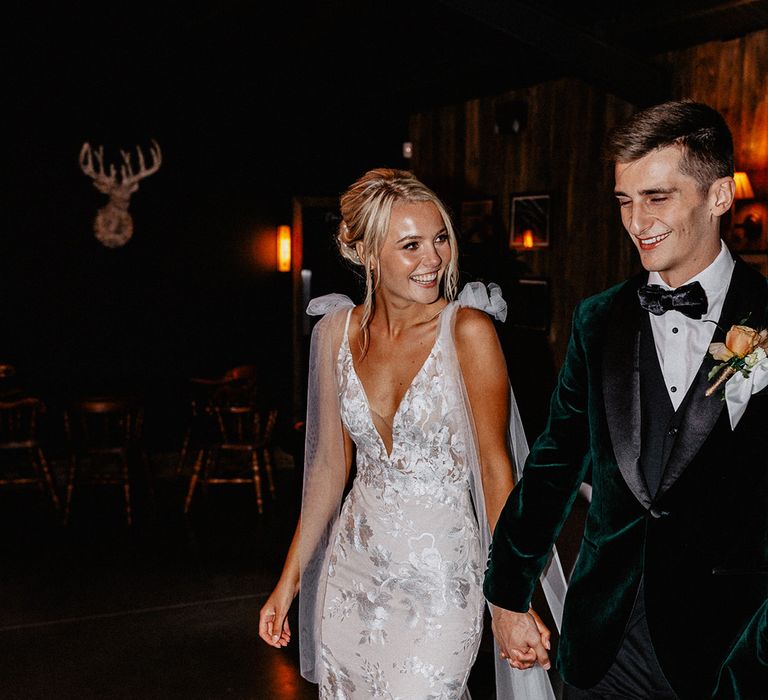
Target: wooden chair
<point x="202" y="428"/>
<point x="105" y="439"/>
<point x="243" y="431"/>
<point x="23" y="459"/>
<point x="238" y="386"/>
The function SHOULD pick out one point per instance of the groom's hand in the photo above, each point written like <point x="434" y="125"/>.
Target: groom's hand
<point x="523" y="638"/>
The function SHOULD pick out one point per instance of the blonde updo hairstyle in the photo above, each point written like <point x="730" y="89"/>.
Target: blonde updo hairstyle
<point x="366" y="209"/>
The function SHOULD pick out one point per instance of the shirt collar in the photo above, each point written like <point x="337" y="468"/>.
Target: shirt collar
<point x="713" y="278"/>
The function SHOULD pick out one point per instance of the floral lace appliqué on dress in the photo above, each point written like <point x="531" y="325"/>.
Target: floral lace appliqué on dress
<point x="403" y="607"/>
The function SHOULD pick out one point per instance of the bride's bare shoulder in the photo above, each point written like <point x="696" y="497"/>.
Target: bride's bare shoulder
<point x="473" y="327"/>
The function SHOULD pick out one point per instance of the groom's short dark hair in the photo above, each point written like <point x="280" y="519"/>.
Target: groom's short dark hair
<point x="699" y="130"/>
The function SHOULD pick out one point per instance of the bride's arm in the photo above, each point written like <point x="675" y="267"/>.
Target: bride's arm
<point x="273" y="616"/>
<point x="485" y="376"/>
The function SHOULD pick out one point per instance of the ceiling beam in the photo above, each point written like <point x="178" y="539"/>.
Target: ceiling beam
<point x="747" y="15"/>
<point x="582" y="54"/>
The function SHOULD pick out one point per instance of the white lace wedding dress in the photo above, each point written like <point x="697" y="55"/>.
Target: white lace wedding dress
<point x="391" y="602"/>
<point x="404" y="605"/>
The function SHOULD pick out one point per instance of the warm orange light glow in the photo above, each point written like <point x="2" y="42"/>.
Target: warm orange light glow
<point x="284" y="248"/>
<point x="527" y="238"/>
<point x="743" y="186"/>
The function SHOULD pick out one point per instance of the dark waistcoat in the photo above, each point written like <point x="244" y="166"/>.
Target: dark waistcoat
<point x="659" y="420"/>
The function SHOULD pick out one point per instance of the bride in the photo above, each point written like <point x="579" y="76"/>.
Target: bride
<point x="412" y="386"/>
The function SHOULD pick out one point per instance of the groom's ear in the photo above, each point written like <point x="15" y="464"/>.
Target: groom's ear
<point x="721" y="195"/>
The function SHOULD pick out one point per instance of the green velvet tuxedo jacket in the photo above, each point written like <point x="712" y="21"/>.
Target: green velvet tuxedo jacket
<point x="701" y="545"/>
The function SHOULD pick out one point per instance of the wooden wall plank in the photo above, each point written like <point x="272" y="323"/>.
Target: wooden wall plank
<point x="732" y="76"/>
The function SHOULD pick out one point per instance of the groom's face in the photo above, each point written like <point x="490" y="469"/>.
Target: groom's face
<point x="667" y="215"/>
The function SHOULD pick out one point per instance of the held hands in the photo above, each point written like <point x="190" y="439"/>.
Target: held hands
<point x="523" y="638"/>
<point x="273" y="617"/>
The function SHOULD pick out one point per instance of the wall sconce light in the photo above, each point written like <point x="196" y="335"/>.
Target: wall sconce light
<point x="283" y="248"/>
<point x="743" y="186"/>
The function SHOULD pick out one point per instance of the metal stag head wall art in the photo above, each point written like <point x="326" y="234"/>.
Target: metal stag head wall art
<point x="113" y="225"/>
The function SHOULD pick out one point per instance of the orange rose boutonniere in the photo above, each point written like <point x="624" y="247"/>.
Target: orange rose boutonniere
<point x="743" y="349"/>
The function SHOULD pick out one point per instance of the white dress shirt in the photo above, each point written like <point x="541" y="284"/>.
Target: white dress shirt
<point x="682" y="342"/>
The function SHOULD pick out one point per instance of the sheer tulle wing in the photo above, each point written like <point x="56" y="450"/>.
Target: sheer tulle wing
<point x="319" y="306"/>
<point x="477" y="296"/>
<point x="325" y="472"/>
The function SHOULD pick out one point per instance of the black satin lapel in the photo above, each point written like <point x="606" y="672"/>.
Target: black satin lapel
<point x="747" y="297"/>
<point x="699" y="417"/>
<point x="621" y="386"/>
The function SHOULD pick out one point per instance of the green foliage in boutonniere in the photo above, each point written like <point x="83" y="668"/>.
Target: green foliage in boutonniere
<point x="743" y="348"/>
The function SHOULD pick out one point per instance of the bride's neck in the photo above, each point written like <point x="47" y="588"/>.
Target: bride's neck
<point x="393" y="318"/>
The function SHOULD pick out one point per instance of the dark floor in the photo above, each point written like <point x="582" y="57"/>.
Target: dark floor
<point x="167" y="608"/>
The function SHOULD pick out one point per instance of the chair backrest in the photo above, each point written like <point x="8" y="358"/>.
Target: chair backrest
<point x="19" y="422"/>
<point x="103" y="423"/>
<point x="246" y="425"/>
<point x="241" y="386"/>
<point x="241" y="372"/>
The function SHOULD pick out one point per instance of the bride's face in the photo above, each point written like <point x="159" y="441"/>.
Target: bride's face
<point x="415" y="253"/>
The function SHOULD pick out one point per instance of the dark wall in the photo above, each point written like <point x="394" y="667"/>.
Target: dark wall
<point x="466" y="151"/>
<point x="244" y="126"/>
<point x="194" y="292"/>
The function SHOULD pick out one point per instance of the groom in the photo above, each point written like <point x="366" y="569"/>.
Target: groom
<point x="669" y="596"/>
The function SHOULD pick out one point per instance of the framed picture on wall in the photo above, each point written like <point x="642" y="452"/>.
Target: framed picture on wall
<point x="476" y="220"/>
<point x="529" y="221"/>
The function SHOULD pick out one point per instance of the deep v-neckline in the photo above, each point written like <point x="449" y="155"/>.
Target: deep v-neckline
<point x="405" y="394"/>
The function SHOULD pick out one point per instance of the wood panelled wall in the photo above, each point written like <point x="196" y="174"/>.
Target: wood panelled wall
<point x="458" y="151"/>
<point x="732" y="76"/>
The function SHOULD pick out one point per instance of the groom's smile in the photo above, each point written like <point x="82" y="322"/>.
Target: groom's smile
<point x="651" y="242"/>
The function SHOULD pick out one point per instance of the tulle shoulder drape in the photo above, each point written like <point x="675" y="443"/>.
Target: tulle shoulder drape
<point x="325" y="472"/>
<point x="477" y="296"/>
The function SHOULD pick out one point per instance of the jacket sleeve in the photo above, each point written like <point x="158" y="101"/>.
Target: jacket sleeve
<point x="540" y="503"/>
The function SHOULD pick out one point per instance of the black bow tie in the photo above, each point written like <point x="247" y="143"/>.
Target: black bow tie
<point x="690" y="299"/>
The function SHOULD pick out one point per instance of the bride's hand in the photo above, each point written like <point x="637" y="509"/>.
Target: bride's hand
<point x="273" y="617"/>
<point x="543" y="629"/>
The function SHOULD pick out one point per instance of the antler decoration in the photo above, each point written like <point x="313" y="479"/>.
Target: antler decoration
<point x="113" y="224"/>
